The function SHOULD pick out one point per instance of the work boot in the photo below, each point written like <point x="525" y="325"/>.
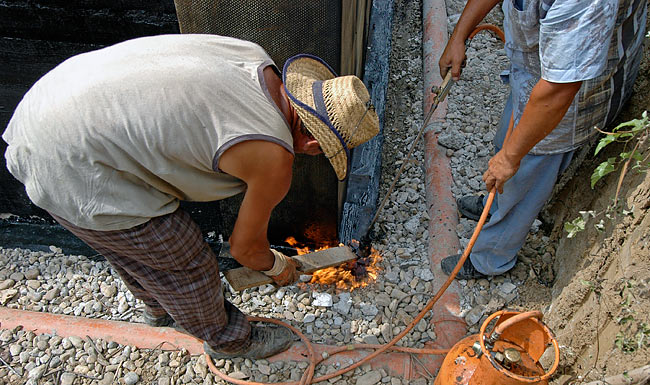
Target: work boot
<point x="468" y="271"/>
<point x="157" y="321"/>
<point x="264" y="342"/>
<point x="471" y="206"/>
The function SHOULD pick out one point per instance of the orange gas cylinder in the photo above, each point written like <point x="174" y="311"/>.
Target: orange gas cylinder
<point x="508" y="355"/>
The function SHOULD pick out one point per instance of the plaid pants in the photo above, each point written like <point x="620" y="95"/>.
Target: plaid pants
<point x="167" y="264"/>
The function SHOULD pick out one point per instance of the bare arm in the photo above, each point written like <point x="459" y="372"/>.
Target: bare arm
<point x="454" y="53"/>
<point x="266" y="169"/>
<point x="545" y="109"/>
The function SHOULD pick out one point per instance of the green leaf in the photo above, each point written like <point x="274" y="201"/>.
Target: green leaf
<point x="636" y="124"/>
<point x="603" y="169"/>
<point x="574" y="227"/>
<point x="634" y="154"/>
<point x="604" y="141"/>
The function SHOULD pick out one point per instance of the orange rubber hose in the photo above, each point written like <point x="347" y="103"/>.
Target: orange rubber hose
<point x="514" y="319"/>
<point x="307" y="377"/>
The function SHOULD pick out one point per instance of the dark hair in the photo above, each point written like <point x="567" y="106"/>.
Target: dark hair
<point x="305" y="131"/>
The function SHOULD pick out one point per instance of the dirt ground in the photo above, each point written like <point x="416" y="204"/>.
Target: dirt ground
<point x="595" y="290"/>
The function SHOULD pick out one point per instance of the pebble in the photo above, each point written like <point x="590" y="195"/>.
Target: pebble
<point x="322" y="299"/>
<point x="131" y="378"/>
<point x="370" y="378"/>
<point x="474" y="315"/>
<point x="32" y="274"/>
<point x="109" y="377"/>
<point x="67" y="378"/>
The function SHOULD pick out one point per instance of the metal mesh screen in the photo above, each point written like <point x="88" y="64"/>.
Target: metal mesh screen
<point x="282" y="27"/>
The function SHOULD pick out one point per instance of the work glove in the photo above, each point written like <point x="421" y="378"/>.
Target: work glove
<point x="284" y="271"/>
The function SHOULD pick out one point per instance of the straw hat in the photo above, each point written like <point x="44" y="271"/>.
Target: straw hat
<point x="335" y="110"/>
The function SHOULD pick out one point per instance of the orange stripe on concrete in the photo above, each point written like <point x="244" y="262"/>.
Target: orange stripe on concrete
<point x="125" y="333"/>
<point x="148" y="337"/>
<point x="443" y="239"/>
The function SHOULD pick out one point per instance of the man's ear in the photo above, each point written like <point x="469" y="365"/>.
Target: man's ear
<point x="312" y="147"/>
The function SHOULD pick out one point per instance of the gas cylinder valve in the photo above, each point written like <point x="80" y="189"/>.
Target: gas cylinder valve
<point x="477" y="349"/>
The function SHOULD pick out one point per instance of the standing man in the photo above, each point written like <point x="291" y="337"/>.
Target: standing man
<point x="573" y="65"/>
<point x="110" y="141"/>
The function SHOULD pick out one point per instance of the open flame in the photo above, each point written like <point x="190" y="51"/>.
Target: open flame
<point x="348" y="276"/>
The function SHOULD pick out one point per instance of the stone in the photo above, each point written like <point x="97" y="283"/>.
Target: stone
<point x="7" y="284"/>
<point x="392" y="276"/>
<point x="17" y="276"/>
<point x="322" y="299"/>
<point x="264" y="369"/>
<point x="507" y="287"/>
<point x="304" y="278"/>
<point x="474" y="315"/>
<point x="108" y="379"/>
<point x="77" y="342"/>
<point x="309" y="317"/>
<point x="67" y="378"/>
<point x="369" y="310"/>
<point x="373" y="340"/>
<point x="382" y="299"/>
<point x="371" y="378"/>
<point x="239" y="375"/>
<point x="32" y="273"/>
<point x="266" y="289"/>
<point x="344" y="304"/>
<point x="412" y="225"/>
<point x="131" y="378"/>
<point x="15" y="349"/>
<point x="7" y="295"/>
<point x="107" y="290"/>
<point x="36" y="373"/>
<point x="398" y="294"/>
<point x="426" y="275"/>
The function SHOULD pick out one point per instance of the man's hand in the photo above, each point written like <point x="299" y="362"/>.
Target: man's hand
<point x="284" y="271"/>
<point x="454" y="55"/>
<point x="452" y="58"/>
<point x="500" y="169"/>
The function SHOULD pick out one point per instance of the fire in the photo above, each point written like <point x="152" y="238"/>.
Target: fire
<point x="349" y="276"/>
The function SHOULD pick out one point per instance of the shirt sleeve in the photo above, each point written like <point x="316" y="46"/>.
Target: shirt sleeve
<point x="574" y="39"/>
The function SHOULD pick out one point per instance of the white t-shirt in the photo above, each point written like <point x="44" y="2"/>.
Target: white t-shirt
<point x="111" y="138"/>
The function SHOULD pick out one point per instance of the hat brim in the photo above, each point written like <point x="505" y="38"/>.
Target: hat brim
<point x="300" y="74"/>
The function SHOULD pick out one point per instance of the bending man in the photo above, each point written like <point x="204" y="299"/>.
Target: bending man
<point x="110" y="141"/>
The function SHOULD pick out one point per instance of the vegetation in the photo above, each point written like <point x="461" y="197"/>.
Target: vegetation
<point x="634" y="137"/>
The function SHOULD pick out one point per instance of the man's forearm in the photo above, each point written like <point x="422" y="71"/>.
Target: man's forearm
<point x="474" y="12"/>
<point x="547" y="105"/>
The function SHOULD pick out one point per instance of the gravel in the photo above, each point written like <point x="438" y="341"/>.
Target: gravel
<point x="76" y="285"/>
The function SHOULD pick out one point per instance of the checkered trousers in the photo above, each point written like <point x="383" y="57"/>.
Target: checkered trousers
<point x="166" y="263"/>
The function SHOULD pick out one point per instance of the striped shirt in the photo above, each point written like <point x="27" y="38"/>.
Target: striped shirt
<point x="598" y="42"/>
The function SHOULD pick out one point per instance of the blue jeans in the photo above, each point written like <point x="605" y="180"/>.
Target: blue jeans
<point x="514" y="211"/>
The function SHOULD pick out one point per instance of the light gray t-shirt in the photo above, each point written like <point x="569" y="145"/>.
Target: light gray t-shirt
<point x="111" y="138"/>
